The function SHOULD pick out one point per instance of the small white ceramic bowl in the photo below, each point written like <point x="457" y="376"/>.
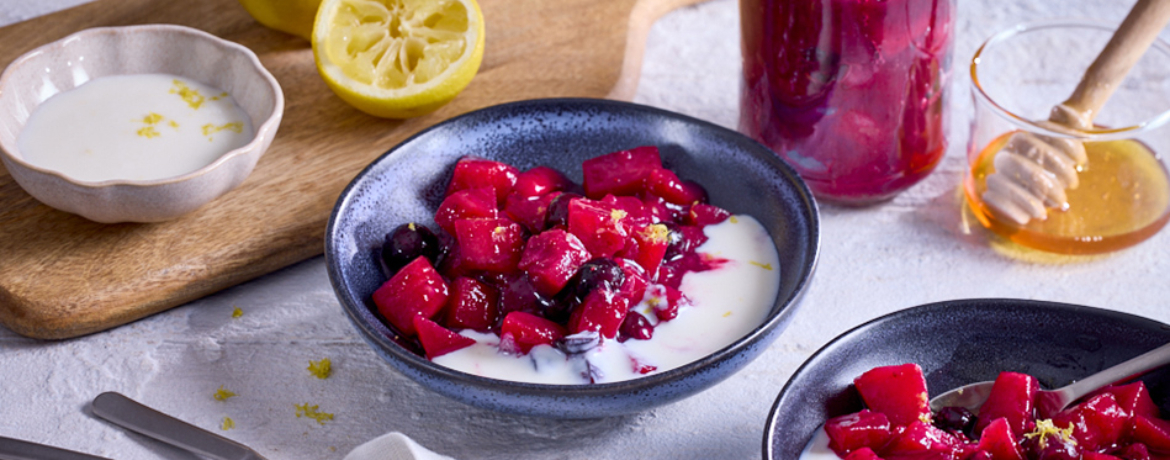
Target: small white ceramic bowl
<point x="67" y="63"/>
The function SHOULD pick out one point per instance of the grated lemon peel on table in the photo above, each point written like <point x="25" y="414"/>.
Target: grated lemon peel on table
<point x="307" y="411"/>
<point x="222" y="395"/>
<point x="321" y="369"/>
<point x="228" y="424"/>
<point x="237" y="312"/>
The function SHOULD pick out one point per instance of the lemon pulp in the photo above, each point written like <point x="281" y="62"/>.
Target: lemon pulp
<point x="398" y="58"/>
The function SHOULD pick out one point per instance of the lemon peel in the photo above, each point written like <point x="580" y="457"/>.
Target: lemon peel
<point x="398" y="58"/>
<point x="321" y="369"/>
<point x="290" y="16"/>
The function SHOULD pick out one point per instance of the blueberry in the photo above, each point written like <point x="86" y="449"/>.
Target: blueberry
<point x="955" y="420"/>
<point x="597" y="273"/>
<point x="636" y="327"/>
<point x="409" y="242"/>
<point x="558" y="211"/>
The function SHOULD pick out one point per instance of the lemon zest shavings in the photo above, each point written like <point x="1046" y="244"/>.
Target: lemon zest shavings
<point x="727" y="314"/>
<point x="173" y="124"/>
<point x="237" y="313"/>
<point x="733" y="220"/>
<point x="657" y="232"/>
<point x="235" y="127"/>
<point x="148" y="132"/>
<point x="761" y="265"/>
<point x="222" y="395"/>
<point x="228" y="424"/>
<point x="1046" y="428"/>
<point x="188" y="94"/>
<point x="152" y="118"/>
<point x="321" y="369"/>
<point x="617" y="214"/>
<point x="308" y="411"/>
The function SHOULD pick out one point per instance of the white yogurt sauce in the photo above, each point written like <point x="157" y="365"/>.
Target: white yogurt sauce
<point x="134" y="127"/>
<point x="726" y="303"/>
<point x="818" y="447"/>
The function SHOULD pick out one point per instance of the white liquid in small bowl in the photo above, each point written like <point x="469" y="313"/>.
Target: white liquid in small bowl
<point x="134" y="127"/>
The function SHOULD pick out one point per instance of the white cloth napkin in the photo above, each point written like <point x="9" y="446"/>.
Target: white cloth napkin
<point x="393" y="446"/>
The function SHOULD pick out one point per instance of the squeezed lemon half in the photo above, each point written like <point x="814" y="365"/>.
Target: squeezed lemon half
<point x="291" y="16"/>
<point x="398" y="58"/>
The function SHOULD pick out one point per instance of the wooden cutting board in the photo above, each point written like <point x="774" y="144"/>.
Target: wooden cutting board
<point x="63" y="276"/>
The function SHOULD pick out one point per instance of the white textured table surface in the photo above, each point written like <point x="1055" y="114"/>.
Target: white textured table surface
<point x="918" y="248"/>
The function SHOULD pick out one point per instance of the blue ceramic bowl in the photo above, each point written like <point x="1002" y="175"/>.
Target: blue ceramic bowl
<point x="956" y="343"/>
<point x="407" y="184"/>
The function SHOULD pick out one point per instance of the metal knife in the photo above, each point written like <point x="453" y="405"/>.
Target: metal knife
<point x="134" y="416"/>
<point x="15" y="449"/>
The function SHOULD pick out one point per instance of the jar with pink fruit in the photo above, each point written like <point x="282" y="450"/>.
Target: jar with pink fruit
<point x="851" y="93"/>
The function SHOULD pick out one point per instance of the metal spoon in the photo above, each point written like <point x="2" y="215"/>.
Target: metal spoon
<point x="130" y="414"/>
<point x="1049" y="402"/>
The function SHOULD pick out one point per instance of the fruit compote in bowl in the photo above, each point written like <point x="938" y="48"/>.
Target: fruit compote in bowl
<point x="956" y="343"/>
<point x="409" y="183"/>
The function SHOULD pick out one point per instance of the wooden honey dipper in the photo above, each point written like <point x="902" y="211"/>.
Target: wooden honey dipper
<point x="1033" y="171"/>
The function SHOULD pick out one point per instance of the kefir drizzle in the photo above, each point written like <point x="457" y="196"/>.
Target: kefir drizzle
<point x="726" y="303"/>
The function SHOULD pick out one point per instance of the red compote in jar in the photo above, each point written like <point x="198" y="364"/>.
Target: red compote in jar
<point x="848" y="92"/>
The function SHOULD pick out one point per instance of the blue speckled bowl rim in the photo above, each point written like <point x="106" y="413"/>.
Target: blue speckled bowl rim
<point x="666" y="377"/>
<point x="921" y="311"/>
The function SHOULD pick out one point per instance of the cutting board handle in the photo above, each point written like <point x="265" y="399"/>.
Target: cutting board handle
<point x="644" y="14"/>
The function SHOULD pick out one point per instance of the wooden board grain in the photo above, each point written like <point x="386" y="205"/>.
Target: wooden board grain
<point x="63" y="276"/>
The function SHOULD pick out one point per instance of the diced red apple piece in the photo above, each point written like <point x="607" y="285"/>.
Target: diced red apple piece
<point x="529" y="212"/>
<point x="551" y="259"/>
<point x="636" y="214"/>
<point x="1136" y="451"/>
<point x="471" y="305"/>
<point x="1097" y="423"/>
<point x="664" y="183"/>
<point x="416" y="290"/>
<point x="466" y="204"/>
<point x="1134" y="399"/>
<point x="528" y="330"/>
<point x="865" y="429"/>
<point x="1013" y="397"/>
<point x="648" y="247"/>
<point x="921" y="440"/>
<point x="897" y="391"/>
<point x="863" y="453"/>
<point x="540" y="181"/>
<point x="602" y="310"/>
<point x="999" y="442"/>
<point x="619" y="173"/>
<point x="1153" y="432"/>
<point x="598" y="225"/>
<point x="493" y="245"/>
<point x="703" y="215"/>
<point x="437" y="340"/>
<point x="472" y="173"/>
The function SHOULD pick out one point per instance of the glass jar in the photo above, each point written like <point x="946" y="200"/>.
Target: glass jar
<point x="1122" y="192"/>
<point x="848" y="92"/>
